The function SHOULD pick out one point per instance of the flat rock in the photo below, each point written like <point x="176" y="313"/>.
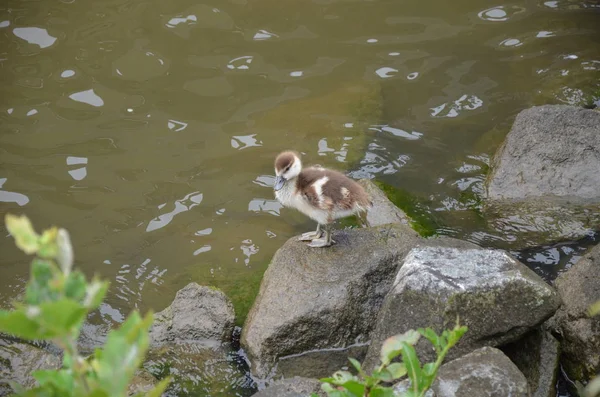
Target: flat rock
<point x="486" y="372"/>
<point x="544" y="184"/>
<point x="19" y="360"/>
<point x="292" y="387"/>
<point x="318" y="299"/>
<point x="198" y="314"/>
<point x="579" y="288"/>
<point x="497" y="297"/>
<point x="537" y="355"/>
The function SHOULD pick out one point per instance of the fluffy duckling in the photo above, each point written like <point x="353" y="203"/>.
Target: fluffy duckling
<point x="321" y="194"/>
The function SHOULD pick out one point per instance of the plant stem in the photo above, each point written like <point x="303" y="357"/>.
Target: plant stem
<point x="437" y="365"/>
<point x="70" y="347"/>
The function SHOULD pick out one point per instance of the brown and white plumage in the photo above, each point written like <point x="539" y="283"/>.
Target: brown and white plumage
<point x="323" y="195"/>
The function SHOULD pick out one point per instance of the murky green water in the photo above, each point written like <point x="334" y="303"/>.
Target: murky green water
<point x="148" y="128"/>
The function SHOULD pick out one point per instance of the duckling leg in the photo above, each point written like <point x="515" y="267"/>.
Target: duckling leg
<point x="310" y="236"/>
<point x="323" y="242"/>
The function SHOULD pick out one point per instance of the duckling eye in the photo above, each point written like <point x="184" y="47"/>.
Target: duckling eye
<point x="287" y="168"/>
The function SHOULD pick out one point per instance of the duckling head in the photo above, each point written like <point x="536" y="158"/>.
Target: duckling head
<point x="287" y="167"/>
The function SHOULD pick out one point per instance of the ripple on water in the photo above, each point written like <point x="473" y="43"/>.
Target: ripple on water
<point x="211" y="87"/>
<point x="140" y="65"/>
<point x="454" y="108"/>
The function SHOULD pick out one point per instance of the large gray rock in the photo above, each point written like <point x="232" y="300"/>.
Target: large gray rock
<point x="190" y="341"/>
<point x="19" y="360"/>
<point x="544" y="184"/>
<point x="292" y="387"/>
<point x="537" y="355"/>
<point x="486" y="372"/>
<point x="314" y="299"/>
<point x="579" y="287"/>
<point x="497" y="297"/>
<point x="383" y="210"/>
<point x="198" y="314"/>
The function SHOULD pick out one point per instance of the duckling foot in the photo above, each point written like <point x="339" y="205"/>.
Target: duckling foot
<point x="319" y="243"/>
<point x="310" y="236"/>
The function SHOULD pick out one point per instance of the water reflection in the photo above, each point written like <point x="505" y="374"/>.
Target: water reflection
<point x="89" y="97"/>
<point x="37" y="36"/>
<point x="185" y="204"/>
<point x="12" y="197"/>
<point x="453" y="109"/>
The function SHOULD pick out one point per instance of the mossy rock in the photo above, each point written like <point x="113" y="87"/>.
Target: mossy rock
<point x="241" y="289"/>
<point x="421" y="218"/>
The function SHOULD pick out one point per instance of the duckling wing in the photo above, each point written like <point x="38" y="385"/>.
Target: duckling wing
<point x="311" y="184"/>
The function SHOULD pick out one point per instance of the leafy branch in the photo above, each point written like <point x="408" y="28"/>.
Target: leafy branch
<point x="56" y="303"/>
<point x="345" y="384"/>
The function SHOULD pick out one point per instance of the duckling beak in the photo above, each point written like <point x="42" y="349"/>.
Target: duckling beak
<point x="279" y="181"/>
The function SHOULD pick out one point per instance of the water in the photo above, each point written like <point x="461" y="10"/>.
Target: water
<point x="148" y="128"/>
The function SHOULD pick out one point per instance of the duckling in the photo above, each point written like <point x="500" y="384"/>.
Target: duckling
<point x="321" y="194"/>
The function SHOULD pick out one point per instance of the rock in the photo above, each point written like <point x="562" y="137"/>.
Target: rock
<point x="198" y="314"/>
<point x="19" y="360"/>
<point x="319" y="363"/>
<point x="383" y="211"/>
<point x="315" y="299"/>
<point x="292" y="387"/>
<point x="579" y="287"/>
<point x="497" y="297"/>
<point x="544" y="184"/>
<point x="142" y="382"/>
<point x="537" y="356"/>
<point x="198" y="370"/>
<point x="191" y="342"/>
<point x="486" y="372"/>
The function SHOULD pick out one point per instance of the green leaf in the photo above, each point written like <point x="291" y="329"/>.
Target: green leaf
<point x="47" y="247"/>
<point x="40" y="287"/>
<point x="382" y="392"/>
<point x="95" y="293"/>
<point x="341" y="377"/>
<point x="455" y="335"/>
<point x="429" y="368"/>
<point x="397" y="370"/>
<point x="391" y="346"/>
<point x="122" y="354"/>
<point x="413" y="367"/>
<point x="355" y="364"/>
<point x="158" y="390"/>
<point x="61" y="380"/>
<point x="75" y="286"/>
<point x="22" y="231"/>
<point x="356" y="388"/>
<point x="432" y="337"/>
<point x="17" y="323"/>
<point x="61" y="318"/>
<point x="383" y="375"/>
